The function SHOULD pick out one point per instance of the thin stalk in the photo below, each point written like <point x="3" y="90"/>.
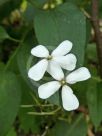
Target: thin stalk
<point x="44" y="113"/>
<point x="98" y="34"/>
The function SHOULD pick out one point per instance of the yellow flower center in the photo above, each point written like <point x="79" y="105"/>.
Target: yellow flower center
<point x="63" y="82"/>
<point x="49" y="57"/>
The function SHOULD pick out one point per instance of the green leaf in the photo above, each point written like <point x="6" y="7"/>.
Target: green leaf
<point x="66" y="22"/>
<point x="28" y="15"/>
<point x="12" y="62"/>
<point x="11" y="132"/>
<point x="22" y="57"/>
<point x="10" y="95"/>
<point x="3" y="34"/>
<point x="77" y="128"/>
<point x="94" y="97"/>
<point x="29" y="123"/>
<point x="80" y="90"/>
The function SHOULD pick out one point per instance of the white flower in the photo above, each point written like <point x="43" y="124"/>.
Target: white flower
<point x="69" y="100"/>
<point x="52" y="63"/>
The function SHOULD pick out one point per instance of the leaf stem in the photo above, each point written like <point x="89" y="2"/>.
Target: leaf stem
<point x="45" y="113"/>
<point x="15" y="40"/>
<point x="9" y="61"/>
<point x="86" y="13"/>
<point x="34" y="98"/>
<point x="29" y="106"/>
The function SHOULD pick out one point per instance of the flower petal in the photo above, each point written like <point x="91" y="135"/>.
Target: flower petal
<point x="69" y="100"/>
<point x="80" y="74"/>
<point x="48" y="89"/>
<point x="40" y="51"/>
<point x="62" y="49"/>
<point x="37" y="71"/>
<point x="55" y="70"/>
<point x="67" y="62"/>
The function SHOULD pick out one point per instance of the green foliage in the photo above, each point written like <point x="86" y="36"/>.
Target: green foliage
<point x="1" y="66"/>
<point x="27" y="122"/>
<point x="94" y="96"/>
<point x="3" y="34"/>
<point x="11" y="132"/>
<point x="67" y="129"/>
<point x="23" y="56"/>
<point x="53" y="31"/>
<point x="54" y="24"/>
<point x="46" y="22"/>
<point x="10" y="95"/>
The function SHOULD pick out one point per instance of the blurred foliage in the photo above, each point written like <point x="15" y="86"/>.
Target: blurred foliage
<point x="25" y="24"/>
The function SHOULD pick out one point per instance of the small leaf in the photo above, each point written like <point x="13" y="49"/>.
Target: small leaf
<point x="3" y="34"/>
<point x="29" y="123"/>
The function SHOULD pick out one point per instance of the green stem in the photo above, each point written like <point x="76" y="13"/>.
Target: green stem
<point x="63" y="119"/>
<point x="10" y="60"/>
<point x="86" y="13"/>
<point x="29" y="106"/>
<point x="14" y="40"/>
<point x="34" y="98"/>
<point x="44" y="113"/>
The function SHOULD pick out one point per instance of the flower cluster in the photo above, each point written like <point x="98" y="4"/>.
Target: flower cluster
<point x="53" y="63"/>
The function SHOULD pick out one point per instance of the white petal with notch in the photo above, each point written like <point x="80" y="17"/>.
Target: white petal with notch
<point x="48" y="89"/>
<point x="37" y="71"/>
<point x="55" y="70"/>
<point x="62" y="49"/>
<point x="67" y="62"/>
<point x="40" y="51"/>
<point x="69" y="100"/>
<point x="80" y="74"/>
